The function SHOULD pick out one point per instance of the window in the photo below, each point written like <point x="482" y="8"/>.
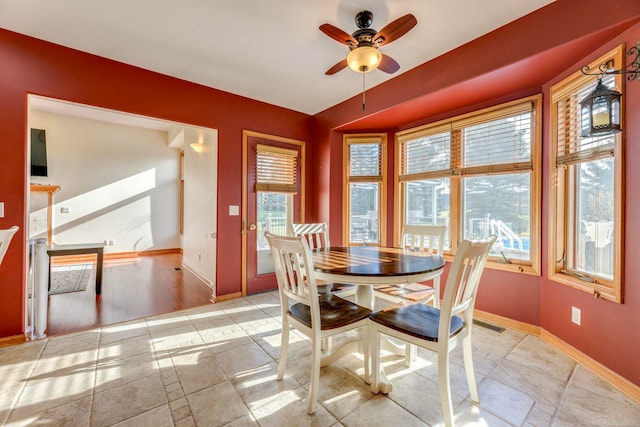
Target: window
<point x="364" y="189"/>
<point x="478" y="174"/>
<point x="586" y="206"/>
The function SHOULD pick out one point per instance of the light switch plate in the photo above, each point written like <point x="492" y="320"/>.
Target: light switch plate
<point x="1" y="209"/>
<point x="234" y="210"/>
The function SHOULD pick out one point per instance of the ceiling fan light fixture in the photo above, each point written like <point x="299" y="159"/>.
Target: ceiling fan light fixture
<point x="364" y="59"/>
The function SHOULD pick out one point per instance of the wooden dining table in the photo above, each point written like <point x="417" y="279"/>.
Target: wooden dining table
<point x="367" y="266"/>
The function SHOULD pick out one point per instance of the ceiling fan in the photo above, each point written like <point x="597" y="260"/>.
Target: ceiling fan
<point x="363" y="44"/>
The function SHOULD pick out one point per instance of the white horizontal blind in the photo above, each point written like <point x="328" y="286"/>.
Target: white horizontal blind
<point x="365" y="162"/>
<point x="276" y="169"/>
<point x="572" y="148"/>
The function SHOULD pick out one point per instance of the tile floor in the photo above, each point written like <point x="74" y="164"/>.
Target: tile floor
<point x="216" y="366"/>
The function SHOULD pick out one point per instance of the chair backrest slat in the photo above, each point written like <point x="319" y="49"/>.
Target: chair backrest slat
<point x="293" y="266"/>
<point x="426" y="238"/>
<point x="464" y="277"/>
<point x="316" y="234"/>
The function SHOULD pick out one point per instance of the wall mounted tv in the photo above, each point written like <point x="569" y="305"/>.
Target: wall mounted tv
<point x="38" y="153"/>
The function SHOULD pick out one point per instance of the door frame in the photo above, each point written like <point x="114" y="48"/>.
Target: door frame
<point x="246" y="134"/>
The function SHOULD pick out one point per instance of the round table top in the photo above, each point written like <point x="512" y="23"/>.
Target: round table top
<point x="374" y="261"/>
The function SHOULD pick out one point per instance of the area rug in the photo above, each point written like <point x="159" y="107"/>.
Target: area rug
<point x="69" y="278"/>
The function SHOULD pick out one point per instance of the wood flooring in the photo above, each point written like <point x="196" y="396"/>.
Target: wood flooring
<point x="131" y="288"/>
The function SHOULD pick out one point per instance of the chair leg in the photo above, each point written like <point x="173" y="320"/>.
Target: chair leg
<point x="284" y="349"/>
<point x="374" y="355"/>
<point x="366" y="352"/>
<point x="315" y="374"/>
<point x="410" y="354"/>
<point x="468" y="367"/>
<point x="445" y="387"/>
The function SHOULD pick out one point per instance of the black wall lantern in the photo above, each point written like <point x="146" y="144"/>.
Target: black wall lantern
<point x="600" y="110"/>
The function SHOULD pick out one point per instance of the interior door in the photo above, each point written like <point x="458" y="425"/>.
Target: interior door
<point x="268" y="209"/>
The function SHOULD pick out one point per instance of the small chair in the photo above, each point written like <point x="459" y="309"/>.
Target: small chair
<point x="317" y="236"/>
<point x="316" y="316"/>
<point x="439" y="330"/>
<point x="5" y="238"/>
<point x="423" y="238"/>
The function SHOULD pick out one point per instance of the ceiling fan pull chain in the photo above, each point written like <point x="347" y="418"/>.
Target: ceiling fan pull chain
<point x="364" y="104"/>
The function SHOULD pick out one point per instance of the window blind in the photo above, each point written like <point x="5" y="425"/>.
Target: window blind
<point x="365" y="162"/>
<point x="571" y="147"/>
<point x="276" y="169"/>
<point x="493" y="142"/>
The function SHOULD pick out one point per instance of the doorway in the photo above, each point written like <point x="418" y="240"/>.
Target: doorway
<point x="120" y="177"/>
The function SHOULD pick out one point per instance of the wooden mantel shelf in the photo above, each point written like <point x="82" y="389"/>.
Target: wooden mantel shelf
<point x="43" y="188"/>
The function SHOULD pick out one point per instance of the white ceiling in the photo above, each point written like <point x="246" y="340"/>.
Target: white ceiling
<point x="271" y="51"/>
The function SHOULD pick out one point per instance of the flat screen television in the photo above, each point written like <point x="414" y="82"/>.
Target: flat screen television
<point x="38" y="153"/>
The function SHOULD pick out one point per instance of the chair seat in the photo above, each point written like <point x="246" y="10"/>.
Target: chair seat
<point x="334" y="312"/>
<point x="414" y="292"/>
<point x="418" y="320"/>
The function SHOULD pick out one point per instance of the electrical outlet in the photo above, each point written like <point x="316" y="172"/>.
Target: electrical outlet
<point x="575" y="315"/>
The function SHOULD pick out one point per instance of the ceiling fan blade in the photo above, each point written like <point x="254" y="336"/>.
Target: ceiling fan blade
<point x="395" y="30"/>
<point x="338" y="67"/>
<point x="388" y="64"/>
<point x="338" y="35"/>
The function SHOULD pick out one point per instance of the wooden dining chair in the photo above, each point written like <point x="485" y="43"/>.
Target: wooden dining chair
<point x="422" y="238"/>
<point x="439" y="330"/>
<point x="317" y="234"/>
<point x="316" y="316"/>
<point x="5" y="238"/>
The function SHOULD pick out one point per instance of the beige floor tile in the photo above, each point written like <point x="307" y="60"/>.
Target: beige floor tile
<point x="216" y="405"/>
<point x="534" y="353"/>
<point x="52" y="388"/>
<point x="123" y="331"/>
<point x="380" y="411"/>
<point x="543" y="389"/>
<point x="197" y="371"/>
<point x="260" y="386"/>
<point x="123" y="349"/>
<point x="420" y="396"/>
<point x="341" y="392"/>
<point x="239" y="361"/>
<point x="217" y="365"/>
<point x="129" y="400"/>
<point x="290" y="409"/>
<point x="157" y="417"/>
<point x="75" y="413"/>
<point x="117" y="372"/>
<point x="589" y="407"/>
<point x="468" y="414"/>
<point x="510" y="404"/>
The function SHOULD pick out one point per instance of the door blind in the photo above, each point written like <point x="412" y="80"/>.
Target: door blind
<point x="276" y="169"/>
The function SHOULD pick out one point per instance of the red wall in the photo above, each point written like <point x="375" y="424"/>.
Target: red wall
<point x="608" y="332"/>
<point x="520" y="59"/>
<point x="33" y="66"/>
